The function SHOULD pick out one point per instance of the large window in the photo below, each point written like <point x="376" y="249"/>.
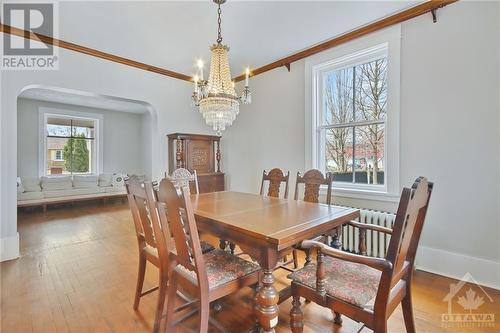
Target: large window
<point x="351" y="114"/>
<point x="70" y="145"/>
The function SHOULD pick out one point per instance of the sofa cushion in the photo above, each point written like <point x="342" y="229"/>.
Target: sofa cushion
<point x="31" y="184"/>
<point x="73" y="191"/>
<point x="30" y="196"/>
<point x="57" y="183"/>
<point x="105" y="179"/>
<point x="85" y="181"/>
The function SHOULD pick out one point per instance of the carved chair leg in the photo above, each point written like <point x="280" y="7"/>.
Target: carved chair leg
<point x="140" y="281"/>
<point x="336" y="238"/>
<point x="295" y="259"/>
<point x="308" y="257"/>
<point x="337" y="318"/>
<point x="296" y="316"/>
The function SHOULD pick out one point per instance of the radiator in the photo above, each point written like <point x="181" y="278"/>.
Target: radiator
<point x="376" y="242"/>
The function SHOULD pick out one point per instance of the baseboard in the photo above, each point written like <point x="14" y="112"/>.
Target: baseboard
<point x="9" y="247"/>
<point x="455" y="265"/>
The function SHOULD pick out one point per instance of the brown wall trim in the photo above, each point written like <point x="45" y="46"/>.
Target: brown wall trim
<point x="405" y="15"/>
<point x="92" y="52"/>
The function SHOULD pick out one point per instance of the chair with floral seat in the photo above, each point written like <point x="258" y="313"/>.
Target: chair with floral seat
<point x="363" y="288"/>
<point x="204" y="277"/>
<point x="151" y="241"/>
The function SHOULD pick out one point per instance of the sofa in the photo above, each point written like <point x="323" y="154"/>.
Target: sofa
<point x="58" y="189"/>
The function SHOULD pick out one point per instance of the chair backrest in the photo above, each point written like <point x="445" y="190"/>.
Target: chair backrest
<point x="183" y="178"/>
<point x="176" y="211"/>
<point x="408" y="225"/>
<point x="274" y="178"/>
<point x="312" y="180"/>
<point x="137" y="199"/>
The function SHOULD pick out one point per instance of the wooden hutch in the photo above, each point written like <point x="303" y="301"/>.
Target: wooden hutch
<point x="197" y="152"/>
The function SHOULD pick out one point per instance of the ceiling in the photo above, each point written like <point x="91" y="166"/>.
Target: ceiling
<point x="173" y="34"/>
<point x="81" y="98"/>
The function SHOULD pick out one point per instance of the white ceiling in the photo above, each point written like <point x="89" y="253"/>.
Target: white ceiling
<point x="173" y="34"/>
<point x="81" y="98"/>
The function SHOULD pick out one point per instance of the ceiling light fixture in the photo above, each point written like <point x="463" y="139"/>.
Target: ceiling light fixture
<point x="216" y="98"/>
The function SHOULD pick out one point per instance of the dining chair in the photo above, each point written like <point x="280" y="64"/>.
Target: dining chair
<point x="151" y="241"/>
<point x="207" y="277"/>
<point x="367" y="289"/>
<point x="182" y="177"/>
<point x="312" y="181"/>
<point x="274" y="179"/>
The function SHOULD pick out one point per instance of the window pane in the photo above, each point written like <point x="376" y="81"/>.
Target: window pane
<point x="371" y="90"/>
<point x="55" y="157"/>
<point x="80" y="151"/>
<point x="69" y="155"/>
<point x="84" y="132"/>
<point x="338" y="97"/>
<point x="83" y="128"/>
<point x="369" y="154"/>
<point x="338" y="153"/>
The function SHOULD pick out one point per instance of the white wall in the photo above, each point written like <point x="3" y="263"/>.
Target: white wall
<point x="269" y="132"/>
<point x="124" y="149"/>
<point x="449" y="131"/>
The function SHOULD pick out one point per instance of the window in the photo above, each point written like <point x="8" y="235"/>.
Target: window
<point x="58" y="156"/>
<point x="351" y="128"/>
<point x="70" y="145"/>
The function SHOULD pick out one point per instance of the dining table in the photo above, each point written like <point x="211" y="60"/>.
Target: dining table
<point x="266" y="229"/>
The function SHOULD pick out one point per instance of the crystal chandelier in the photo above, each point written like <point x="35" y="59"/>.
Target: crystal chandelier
<point x="216" y="98"/>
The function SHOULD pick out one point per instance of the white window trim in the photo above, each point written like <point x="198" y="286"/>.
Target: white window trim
<point x="389" y="41"/>
<point x="44" y="112"/>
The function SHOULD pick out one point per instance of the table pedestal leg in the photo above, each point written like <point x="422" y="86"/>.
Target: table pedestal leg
<point x="267" y="303"/>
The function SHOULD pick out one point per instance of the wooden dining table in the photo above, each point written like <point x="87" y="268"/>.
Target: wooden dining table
<point x="266" y="229"/>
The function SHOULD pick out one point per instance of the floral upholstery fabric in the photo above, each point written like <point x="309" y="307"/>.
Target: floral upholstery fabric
<point x="223" y="267"/>
<point x="352" y="283"/>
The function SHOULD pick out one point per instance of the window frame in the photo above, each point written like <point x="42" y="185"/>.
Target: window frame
<point x="319" y="71"/>
<point x="97" y="154"/>
<point x="384" y="43"/>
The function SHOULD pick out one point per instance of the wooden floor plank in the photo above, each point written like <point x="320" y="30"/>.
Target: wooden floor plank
<point x="77" y="273"/>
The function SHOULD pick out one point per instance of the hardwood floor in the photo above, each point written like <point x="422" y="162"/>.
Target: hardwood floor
<point x="77" y="273"/>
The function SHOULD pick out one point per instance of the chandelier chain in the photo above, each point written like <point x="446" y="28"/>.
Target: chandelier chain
<point x="219" y="21"/>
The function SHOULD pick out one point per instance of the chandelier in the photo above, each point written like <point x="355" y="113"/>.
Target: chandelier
<point x="216" y="98"/>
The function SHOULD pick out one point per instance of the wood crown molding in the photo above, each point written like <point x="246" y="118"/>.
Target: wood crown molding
<point x="426" y="7"/>
<point x="92" y="52"/>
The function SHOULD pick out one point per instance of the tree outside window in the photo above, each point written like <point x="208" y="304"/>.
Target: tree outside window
<point x="353" y="122"/>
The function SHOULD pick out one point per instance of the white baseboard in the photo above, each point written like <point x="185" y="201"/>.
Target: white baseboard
<point x="9" y="247"/>
<point x="455" y="265"/>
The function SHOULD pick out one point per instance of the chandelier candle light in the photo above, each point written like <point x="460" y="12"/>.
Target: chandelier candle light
<point x="216" y="98"/>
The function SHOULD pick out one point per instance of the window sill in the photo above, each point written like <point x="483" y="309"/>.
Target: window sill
<point x="363" y="194"/>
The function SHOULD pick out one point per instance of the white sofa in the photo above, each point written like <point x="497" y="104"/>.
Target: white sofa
<point x="57" y="189"/>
